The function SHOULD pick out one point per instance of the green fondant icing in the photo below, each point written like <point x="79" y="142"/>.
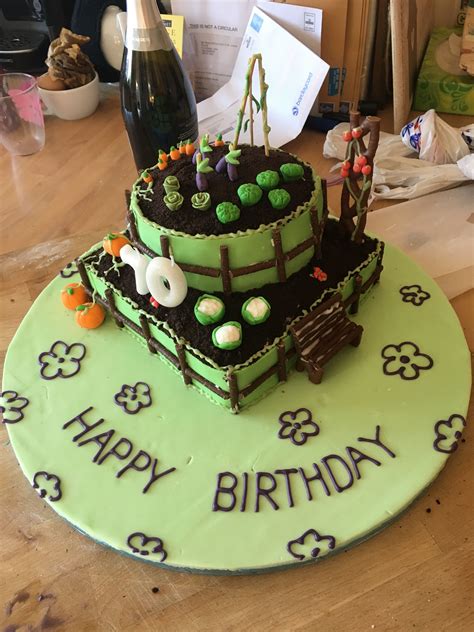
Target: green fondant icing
<point x="249" y="194"/>
<point x="291" y="171"/>
<point x="268" y="180"/>
<point x="227" y="212"/>
<point x="201" y="201"/>
<point x="209" y="309"/>
<point x="279" y="198"/>
<point x="170" y="184"/>
<point x="256" y="303"/>
<point x="233" y="329"/>
<point x="245" y="247"/>
<point x="184" y="430"/>
<point x="174" y="200"/>
<point x="232" y="156"/>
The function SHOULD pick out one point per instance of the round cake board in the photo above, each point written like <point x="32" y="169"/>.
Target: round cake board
<point x="306" y="472"/>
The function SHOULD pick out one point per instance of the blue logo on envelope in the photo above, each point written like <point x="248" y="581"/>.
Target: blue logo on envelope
<point x="256" y="23"/>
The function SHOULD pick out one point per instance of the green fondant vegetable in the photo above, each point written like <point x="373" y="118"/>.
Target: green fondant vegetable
<point x="227" y="336"/>
<point x="268" y="180"/>
<point x="255" y="310"/>
<point x="279" y="198"/>
<point x="171" y="183"/>
<point x="227" y="212"/>
<point x="249" y="194"/>
<point x="174" y="200"/>
<point x="201" y="201"/>
<point x="291" y="171"/>
<point x="209" y="309"/>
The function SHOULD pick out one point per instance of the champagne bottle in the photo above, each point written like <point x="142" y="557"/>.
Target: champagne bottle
<point x="158" y="103"/>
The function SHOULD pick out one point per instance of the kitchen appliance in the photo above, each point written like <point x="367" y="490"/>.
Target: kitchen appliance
<point x="24" y="37"/>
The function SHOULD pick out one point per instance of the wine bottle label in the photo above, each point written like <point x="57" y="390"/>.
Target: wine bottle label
<point x="148" y="39"/>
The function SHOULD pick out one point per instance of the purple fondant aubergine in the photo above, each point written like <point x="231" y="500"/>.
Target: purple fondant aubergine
<point x="313" y="537"/>
<point x="11" y="407"/>
<point x="447" y="433"/>
<point x="62" y="360"/>
<point x="138" y="543"/>
<point x="405" y="360"/>
<point x="40" y="483"/>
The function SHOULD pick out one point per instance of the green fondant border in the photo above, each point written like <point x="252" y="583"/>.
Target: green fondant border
<point x="244" y="375"/>
<point x="246" y="248"/>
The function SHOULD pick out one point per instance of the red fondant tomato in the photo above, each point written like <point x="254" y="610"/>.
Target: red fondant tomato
<point x="347" y="136"/>
<point x="367" y="170"/>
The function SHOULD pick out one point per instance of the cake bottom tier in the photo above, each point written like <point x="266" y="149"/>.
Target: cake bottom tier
<point x="235" y="379"/>
<point x="162" y="474"/>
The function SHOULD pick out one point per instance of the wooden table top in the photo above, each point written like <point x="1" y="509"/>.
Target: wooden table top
<point x="418" y="574"/>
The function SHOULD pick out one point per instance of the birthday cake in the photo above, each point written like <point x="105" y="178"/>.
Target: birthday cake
<point x="229" y="275"/>
<point x="234" y="285"/>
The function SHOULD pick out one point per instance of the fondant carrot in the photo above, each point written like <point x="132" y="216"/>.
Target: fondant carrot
<point x="174" y="153"/>
<point x="189" y="148"/>
<point x="162" y="164"/>
<point x="219" y="142"/>
<point x="182" y="148"/>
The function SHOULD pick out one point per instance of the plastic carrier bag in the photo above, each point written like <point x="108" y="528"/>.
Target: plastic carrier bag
<point x="398" y="172"/>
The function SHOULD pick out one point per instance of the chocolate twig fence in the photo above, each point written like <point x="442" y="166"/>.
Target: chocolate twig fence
<point x="225" y="272"/>
<point x="178" y="358"/>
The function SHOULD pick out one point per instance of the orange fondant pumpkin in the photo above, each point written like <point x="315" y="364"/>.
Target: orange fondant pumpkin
<point x="73" y="295"/>
<point x="113" y="242"/>
<point x="90" y="315"/>
<point x="174" y="153"/>
<point x="189" y="148"/>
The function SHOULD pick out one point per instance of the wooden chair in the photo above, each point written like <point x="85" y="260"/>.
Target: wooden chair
<point x="321" y="334"/>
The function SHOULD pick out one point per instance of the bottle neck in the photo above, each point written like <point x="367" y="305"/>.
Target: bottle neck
<point x="145" y="28"/>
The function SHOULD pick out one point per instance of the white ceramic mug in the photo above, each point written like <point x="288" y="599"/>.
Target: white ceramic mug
<point x="73" y="104"/>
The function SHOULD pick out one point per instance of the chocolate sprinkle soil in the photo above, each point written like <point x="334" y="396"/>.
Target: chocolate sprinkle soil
<point x="287" y="300"/>
<point x="221" y="189"/>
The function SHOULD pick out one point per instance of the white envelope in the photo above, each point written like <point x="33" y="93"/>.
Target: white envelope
<point x="293" y="72"/>
<point x="215" y="28"/>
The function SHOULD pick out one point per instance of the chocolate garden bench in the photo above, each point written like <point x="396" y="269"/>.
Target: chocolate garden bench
<point x="321" y="334"/>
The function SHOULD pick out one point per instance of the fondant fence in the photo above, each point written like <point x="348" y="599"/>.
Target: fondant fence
<point x="225" y="272"/>
<point x="178" y="359"/>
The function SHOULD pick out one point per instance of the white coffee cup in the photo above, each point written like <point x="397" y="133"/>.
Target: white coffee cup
<point x="73" y="104"/>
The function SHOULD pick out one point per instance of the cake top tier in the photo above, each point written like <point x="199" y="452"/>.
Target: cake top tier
<point x="252" y="162"/>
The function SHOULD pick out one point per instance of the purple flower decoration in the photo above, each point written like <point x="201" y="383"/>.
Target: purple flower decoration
<point x="48" y="485"/>
<point x="133" y="398"/>
<point x="11" y="407"/>
<point x="297" y="426"/>
<point x="69" y="270"/>
<point x="62" y="360"/>
<point x="144" y="545"/>
<point x="447" y="434"/>
<point x="405" y="360"/>
<point x="414" y="294"/>
<point x="309" y="545"/>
